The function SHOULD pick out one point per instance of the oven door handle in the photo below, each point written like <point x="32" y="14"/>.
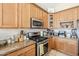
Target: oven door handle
<point x="45" y="43"/>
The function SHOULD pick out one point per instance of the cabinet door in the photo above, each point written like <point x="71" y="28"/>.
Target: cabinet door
<point x="49" y="44"/>
<point x="45" y="19"/>
<point x="61" y="45"/>
<point x="33" y="11"/>
<point x="72" y="14"/>
<point x="78" y="13"/>
<point x="0" y="15"/>
<point x="24" y="15"/>
<point x="57" y="43"/>
<point x="71" y="48"/>
<point x="53" y="43"/>
<point x="62" y="16"/>
<point x="56" y="20"/>
<point x="9" y="15"/>
<point x="30" y="52"/>
<point x="39" y="13"/>
<point x="57" y="16"/>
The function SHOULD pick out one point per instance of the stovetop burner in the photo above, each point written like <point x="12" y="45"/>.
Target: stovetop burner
<point x="38" y="39"/>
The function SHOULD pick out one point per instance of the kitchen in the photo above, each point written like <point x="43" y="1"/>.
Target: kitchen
<point x="30" y="29"/>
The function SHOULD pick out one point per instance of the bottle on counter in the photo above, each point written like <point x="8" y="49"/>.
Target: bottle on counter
<point x="65" y="34"/>
<point x="21" y="36"/>
<point x="17" y="38"/>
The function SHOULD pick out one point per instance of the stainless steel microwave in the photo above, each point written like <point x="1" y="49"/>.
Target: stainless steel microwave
<point x="35" y="23"/>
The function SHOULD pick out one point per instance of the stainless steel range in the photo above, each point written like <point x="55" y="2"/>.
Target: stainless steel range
<point x="45" y="47"/>
<point x="41" y="43"/>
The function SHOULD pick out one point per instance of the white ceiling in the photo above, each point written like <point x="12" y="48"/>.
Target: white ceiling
<point x="55" y="7"/>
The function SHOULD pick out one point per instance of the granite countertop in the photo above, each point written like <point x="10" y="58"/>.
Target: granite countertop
<point x="16" y="46"/>
<point x="66" y="38"/>
<point x="63" y="37"/>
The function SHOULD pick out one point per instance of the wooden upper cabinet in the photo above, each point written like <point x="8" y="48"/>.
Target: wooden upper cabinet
<point x="56" y="16"/>
<point x="0" y="15"/>
<point x="45" y="19"/>
<point x="71" y="14"/>
<point x="78" y="13"/>
<point x="56" y="20"/>
<point x="33" y="11"/>
<point x="24" y="15"/>
<point x="9" y="15"/>
<point x="62" y="15"/>
<point x="74" y="15"/>
<point x="39" y="13"/>
<point x="65" y="15"/>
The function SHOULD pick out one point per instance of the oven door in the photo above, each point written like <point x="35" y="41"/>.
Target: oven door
<point x="45" y="47"/>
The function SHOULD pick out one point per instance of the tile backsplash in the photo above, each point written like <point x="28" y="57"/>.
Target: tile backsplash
<point x="67" y="30"/>
<point x="5" y="33"/>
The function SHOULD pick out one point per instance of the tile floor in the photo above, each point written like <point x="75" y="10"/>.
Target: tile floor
<point x="55" y="53"/>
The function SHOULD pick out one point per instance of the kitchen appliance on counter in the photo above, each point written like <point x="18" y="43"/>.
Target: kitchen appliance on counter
<point x="35" y="23"/>
<point x="44" y="34"/>
<point x="74" y="33"/>
<point x="62" y="34"/>
<point x="3" y="43"/>
<point x="22" y="36"/>
<point x="50" y="32"/>
<point x="41" y="43"/>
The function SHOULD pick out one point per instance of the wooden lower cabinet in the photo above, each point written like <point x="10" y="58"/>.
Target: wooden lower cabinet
<point x="27" y="51"/>
<point x="60" y="45"/>
<point x="49" y="44"/>
<point x="54" y="43"/>
<point x="69" y="47"/>
<point x="30" y="52"/>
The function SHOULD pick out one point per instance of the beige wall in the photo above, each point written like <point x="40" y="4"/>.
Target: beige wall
<point x="57" y="6"/>
<point x="63" y="6"/>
